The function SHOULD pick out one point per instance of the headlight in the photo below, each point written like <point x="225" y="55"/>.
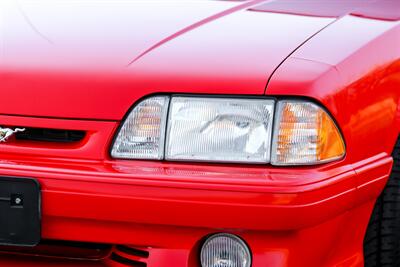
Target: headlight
<point x="217" y="129"/>
<point x="225" y="250"/>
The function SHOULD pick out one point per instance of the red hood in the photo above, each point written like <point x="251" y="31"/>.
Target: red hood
<point x="94" y="59"/>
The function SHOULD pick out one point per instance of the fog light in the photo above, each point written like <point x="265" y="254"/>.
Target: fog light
<point x="225" y="250"/>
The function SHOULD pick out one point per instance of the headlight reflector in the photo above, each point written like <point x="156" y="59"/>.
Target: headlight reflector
<point x="225" y="250"/>
<point x="305" y="134"/>
<point x="219" y="129"/>
<point x="142" y="134"/>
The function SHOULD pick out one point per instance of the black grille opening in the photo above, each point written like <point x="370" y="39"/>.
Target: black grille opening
<point x="128" y="262"/>
<point x="50" y="135"/>
<point x="133" y="251"/>
<point x="62" y="249"/>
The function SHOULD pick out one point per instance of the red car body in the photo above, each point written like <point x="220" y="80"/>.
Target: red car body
<point x="81" y="65"/>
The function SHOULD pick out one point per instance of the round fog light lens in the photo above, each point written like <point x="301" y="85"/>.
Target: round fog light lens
<point x="225" y="250"/>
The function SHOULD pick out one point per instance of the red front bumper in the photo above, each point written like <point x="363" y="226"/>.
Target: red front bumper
<point x="288" y="216"/>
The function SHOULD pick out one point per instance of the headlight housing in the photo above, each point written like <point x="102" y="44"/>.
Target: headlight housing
<point x="229" y="129"/>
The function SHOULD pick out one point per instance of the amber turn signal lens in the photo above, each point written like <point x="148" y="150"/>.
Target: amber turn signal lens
<point x="305" y="134"/>
<point x="330" y="143"/>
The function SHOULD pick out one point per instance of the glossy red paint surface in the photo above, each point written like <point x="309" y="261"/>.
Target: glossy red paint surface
<point x="81" y="65"/>
<point x="84" y="67"/>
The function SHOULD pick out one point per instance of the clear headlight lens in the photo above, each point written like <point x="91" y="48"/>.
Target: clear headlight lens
<point x="305" y="134"/>
<point x="219" y="129"/>
<point x="225" y="250"/>
<point x="143" y="132"/>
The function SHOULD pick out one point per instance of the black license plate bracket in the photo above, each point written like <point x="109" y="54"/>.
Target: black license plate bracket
<point x="20" y="211"/>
